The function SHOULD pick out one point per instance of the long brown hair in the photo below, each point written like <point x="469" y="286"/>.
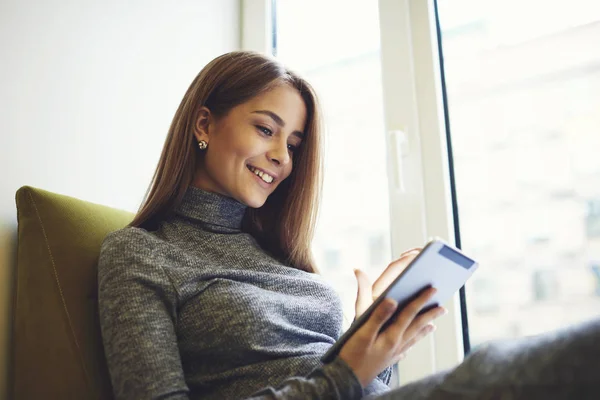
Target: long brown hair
<point x="284" y="225"/>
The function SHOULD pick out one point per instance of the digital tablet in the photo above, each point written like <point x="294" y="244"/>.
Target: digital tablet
<point x="437" y="265"/>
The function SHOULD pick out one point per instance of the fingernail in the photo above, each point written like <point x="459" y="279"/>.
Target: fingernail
<point x="432" y="328"/>
<point x="389" y="305"/>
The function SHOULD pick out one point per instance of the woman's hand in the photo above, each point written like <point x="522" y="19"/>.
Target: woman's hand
<point x="367" y="293"/>
<point x="368" y="351"/>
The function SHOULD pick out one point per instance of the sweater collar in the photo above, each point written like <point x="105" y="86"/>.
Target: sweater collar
<point x="212" y="211"/>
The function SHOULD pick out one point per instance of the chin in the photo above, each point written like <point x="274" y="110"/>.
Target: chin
<point x="253" y="201"/>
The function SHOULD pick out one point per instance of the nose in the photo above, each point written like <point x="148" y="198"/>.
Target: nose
<point x="279" y="153"/>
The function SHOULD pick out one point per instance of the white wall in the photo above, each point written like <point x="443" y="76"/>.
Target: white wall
<point x="89" y="88"/>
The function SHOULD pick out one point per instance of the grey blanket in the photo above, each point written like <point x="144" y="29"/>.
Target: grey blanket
<point x="561" y="365"/>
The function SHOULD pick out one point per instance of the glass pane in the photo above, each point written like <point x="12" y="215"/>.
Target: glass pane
<point x="343" y="64"/>
<point x="523" y="84"/>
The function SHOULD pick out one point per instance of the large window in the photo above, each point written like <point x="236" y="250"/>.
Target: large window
<point x="523" y="84"/>
<point x="493" y="146"/>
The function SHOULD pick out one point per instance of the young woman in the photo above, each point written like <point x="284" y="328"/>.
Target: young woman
<point x="211" y="292"/>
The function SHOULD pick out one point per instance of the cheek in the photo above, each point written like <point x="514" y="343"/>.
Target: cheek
<point x="288" y="170"/>
<point x="246" y="145"/>
<point x="232" y="152"/>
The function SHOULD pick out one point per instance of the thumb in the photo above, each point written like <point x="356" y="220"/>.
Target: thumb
<point x="364" y="296"/>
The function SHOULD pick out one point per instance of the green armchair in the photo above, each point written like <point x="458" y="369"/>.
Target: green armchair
<point x="57" y="349"/>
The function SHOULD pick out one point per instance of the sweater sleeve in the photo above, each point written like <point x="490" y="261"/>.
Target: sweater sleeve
<point x="137" y="307"/>
<point x="334" y="381"/>
<point x="138" y="315"/>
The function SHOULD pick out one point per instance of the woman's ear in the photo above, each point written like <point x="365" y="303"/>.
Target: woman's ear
<point x="202" y="124"/>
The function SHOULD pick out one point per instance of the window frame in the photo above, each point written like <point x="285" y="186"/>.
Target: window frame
<point x="257" y="25"/>
<point x="422" y="208"/>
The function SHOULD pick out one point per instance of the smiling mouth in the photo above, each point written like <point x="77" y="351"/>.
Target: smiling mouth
<point x="262" y="175"/>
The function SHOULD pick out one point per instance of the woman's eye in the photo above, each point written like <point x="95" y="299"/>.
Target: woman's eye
<point x="292" y="148"/>
<point x="264" y="130"/>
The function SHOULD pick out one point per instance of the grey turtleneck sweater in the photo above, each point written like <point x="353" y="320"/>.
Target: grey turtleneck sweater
<point x="197" y="310"/>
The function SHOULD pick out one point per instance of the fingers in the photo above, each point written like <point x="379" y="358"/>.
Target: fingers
<point x="423" y="320"/>
<point x="408" y="314"/>
<point x="393" y="270"/>
<point x="382" y="313"/>
<point x="364" y="295"/>
<point x="413" y="250"/>
<point x="425" y="330"/>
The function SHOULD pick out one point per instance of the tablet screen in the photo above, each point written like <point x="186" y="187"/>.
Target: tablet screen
<point x="456" y="257"/>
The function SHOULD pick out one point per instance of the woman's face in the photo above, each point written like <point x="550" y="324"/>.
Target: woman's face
<point x="251" y="149"/>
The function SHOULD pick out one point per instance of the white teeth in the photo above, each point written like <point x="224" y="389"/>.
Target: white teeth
<point x="264" y="176"/>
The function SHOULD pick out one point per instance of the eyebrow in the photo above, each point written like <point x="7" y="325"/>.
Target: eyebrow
<point x="278" y="121"/>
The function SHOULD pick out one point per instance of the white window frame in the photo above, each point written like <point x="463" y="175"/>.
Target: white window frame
<point x="417" y="159"/>
<point x="256" y="25"/>
<point x="420" y="206"/>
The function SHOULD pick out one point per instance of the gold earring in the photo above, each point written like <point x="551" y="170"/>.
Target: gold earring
<point x="202" y="144"/>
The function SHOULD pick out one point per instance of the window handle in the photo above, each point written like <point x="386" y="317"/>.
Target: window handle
<point x="398" y="152"/>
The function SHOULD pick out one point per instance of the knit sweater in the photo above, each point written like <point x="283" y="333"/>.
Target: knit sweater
<point x="197" y="310"/>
